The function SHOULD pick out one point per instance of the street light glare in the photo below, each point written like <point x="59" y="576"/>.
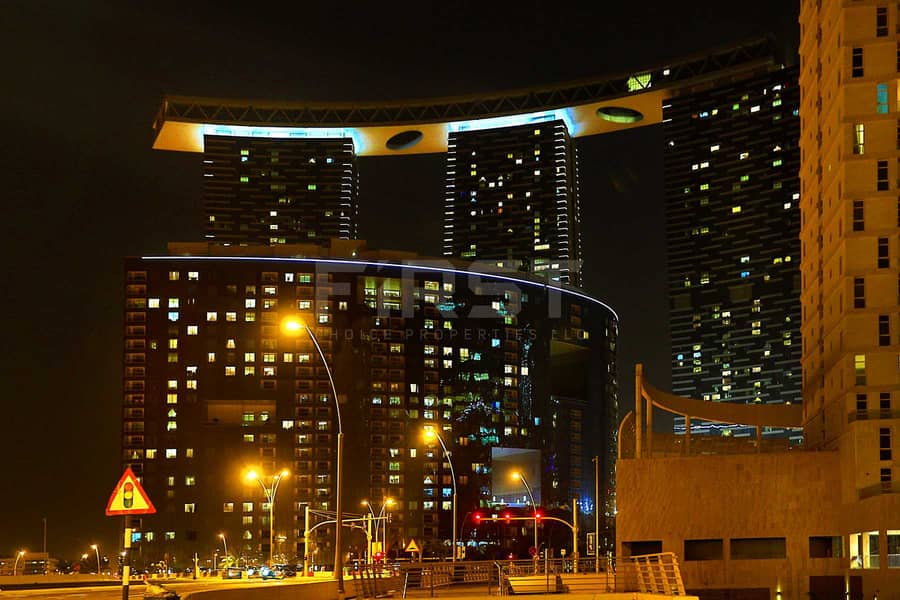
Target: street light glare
<point x="285" y="473"/>
<point x="292" y="325"/>
<point x="516" y="475"/>
<point x="93" y="546"/>
<point x="430" y="434"/>
<point x="251" y="476"/>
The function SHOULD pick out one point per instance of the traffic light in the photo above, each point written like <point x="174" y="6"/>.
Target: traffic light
<point x="506" y="516"/>
<point x="128" y="494"/>
<point x="538" y="515"/>
<point x="378" y="556"/>
<point x="478" y="517"/>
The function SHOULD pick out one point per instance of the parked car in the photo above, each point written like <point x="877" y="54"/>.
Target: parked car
<point x="232" y="573"/>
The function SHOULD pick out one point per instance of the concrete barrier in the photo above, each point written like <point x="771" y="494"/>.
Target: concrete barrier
<point x="302" y="590"/>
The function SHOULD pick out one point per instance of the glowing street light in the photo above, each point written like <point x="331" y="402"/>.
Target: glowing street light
<point x="430" y="435"/>
<point x="269" y="492"/>
<point x="387" y="502"/>
<point x="225" y="542"/>
<point x="19" y="555"/>
<point x="292" y="326"/>
<point x="96" y="550"/>
<point x="521" y="477"/>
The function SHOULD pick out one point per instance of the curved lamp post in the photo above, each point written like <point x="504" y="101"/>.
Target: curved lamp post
<point x="225" y="542"/>
<point x="269" y="492"/>
<point x="521" y="477"/>
<point x="96" y="550"/>
<point x="19" y="555"/>
<point x="293" y="327"/>
<point x="430" y="435"/>
<point x="387" y="502"/>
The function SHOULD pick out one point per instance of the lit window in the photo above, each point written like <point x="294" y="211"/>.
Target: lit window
<point x="171" y="453"/>
<point x="211" y="357"/>
<point x="211" y="316"/>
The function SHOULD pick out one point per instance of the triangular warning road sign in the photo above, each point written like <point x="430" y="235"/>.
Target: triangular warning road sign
<point x="412" y="546"/>
<point x="129" y="498"/>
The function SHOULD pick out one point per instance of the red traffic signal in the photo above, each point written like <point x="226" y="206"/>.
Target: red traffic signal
<point x="506" y="516"/>
<point x="378" y="556"/>
<point x="478" y="517"/>
<point x="538" y="515"/>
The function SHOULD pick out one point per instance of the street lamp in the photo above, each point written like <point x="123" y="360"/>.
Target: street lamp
<point x="521" y="477"/>
<point x="293" y="327"/>
<point x="430" y="435"/>
<point x="19" y="555"/>
<point x="225" y="542"/>
<point x="269" y="492"/>
<point x="97" y="552"/>
<point x="387" y="502"/>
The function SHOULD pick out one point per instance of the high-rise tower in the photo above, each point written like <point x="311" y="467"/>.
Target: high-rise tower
<point x="512" y="197"/>
<point x="850" y="136"/>
<point x="279" y="191"/>
<point x="733" y="221"/>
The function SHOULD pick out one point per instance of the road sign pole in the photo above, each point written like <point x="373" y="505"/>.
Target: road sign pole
<point x="126" y="562"/>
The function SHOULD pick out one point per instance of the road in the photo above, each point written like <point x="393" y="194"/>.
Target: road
<point x="136" y="590"/>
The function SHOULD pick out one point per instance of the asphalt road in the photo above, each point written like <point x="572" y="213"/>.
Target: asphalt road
<point x="136" y="590"/>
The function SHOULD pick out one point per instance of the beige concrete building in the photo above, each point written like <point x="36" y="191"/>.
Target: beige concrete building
<point x="823" y="520"/>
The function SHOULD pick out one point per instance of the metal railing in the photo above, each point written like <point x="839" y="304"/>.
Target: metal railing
<point x="653" y="573"/>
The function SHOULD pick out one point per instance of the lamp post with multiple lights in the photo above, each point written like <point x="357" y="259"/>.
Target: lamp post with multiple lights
<point x="430" y="435"/>
<point x="380" y="517"/>
<point x="293" y="327"/>
<point x="269" y="492"/>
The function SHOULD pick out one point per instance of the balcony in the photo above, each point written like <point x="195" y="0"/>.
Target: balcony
<point x="885" y="487"/>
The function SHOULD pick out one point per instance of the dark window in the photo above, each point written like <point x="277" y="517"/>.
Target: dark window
<point x="859" y="292"/>
<point x="758" y="548"/>
<point x="882" y="176"/>
<point x="703" y="550"/>
<point x="898" y="135"/>
<point x="642" y="547"/>
<point x="885" y="475"/>
<point x="822" y="546"/>
<point x="857" y="62"/>
<point x="859" y="223"/>
<point x="862" y="405"/>
<point x="884" y="330"/>
<point x="884" y="260"/>
<point x="881" y="21"/>
<point x="884" y="443"/>
<point x="884" y="404"/>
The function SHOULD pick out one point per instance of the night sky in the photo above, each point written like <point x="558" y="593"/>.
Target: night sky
<point x="81" y="188"/>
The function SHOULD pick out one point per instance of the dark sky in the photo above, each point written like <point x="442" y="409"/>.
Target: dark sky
<point x="81" y="188"/>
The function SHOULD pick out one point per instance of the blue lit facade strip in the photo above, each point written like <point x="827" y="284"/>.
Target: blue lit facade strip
<point x="369" y="263"/>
